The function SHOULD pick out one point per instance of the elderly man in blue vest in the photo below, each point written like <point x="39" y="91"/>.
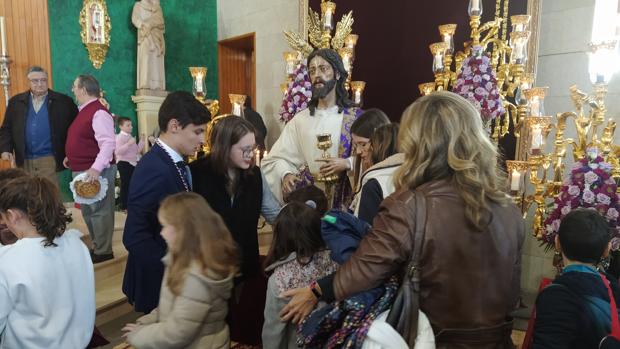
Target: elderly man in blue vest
<point x="35" y="126"/>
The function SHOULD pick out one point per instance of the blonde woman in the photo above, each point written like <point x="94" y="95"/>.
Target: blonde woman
<point x="198" y="280"/>
<point x="471" y="254"/>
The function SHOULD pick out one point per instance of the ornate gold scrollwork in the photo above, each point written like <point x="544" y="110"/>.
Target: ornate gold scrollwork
<point x="95" y="32"/>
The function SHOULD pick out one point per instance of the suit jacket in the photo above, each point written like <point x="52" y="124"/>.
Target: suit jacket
<point x="154" y="178"/>
<point x="62" y="111"/>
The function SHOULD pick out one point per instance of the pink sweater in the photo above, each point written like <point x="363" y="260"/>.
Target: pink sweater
<point x="126" y="150"/>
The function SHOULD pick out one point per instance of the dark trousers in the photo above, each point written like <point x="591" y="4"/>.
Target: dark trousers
<point x="125" y="170"/>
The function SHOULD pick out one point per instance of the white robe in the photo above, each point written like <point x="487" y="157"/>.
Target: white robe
<point x="47" y="294"/>
<point x="296" y="146"/>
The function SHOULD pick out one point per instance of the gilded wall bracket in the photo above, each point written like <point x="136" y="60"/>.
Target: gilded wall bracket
<point x="95" y="33"/>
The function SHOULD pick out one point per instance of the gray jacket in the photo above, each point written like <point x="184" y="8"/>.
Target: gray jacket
<point x="289" y="274"/>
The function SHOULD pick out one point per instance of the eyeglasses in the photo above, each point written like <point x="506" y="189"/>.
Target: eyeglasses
<point x="361" y="145"/>
<point x="38" y="81"/>
<point x="248" y="152"/>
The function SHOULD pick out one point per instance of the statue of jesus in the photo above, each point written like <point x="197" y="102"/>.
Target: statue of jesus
<point x="292" y="161"/>
<point x="147" y="16"/>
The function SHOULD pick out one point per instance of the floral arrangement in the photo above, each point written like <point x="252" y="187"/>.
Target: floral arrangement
<point x="477" y="83"/>
<point x="298" y="94"/>
<point x="590" y="185"/>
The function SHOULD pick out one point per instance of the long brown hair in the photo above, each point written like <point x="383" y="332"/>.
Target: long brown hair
<point x="39" y="199"/>
<point x="201" y="238"/>
<point x="364" y="126"/>
<point x="442" y="137"/>
<point x="384" y="142"/>
<point x="226" y="133"/>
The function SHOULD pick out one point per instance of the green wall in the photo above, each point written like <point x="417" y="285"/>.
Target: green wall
<point x="191" y="40"/>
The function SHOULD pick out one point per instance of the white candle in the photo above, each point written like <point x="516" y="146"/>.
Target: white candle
<point x="237" y="109"/>
<point x="328" y="19"/>
<point x="515" y="180"/>
<point x="475" y="5"/>
<point x="257" y="155"/>
<point x="357" y="96"/>
<point x="199" y="84"/>
<point x="536" y="138"/>
<point x="3" y="35"/>
<point x="535" y="106"/>
<point x="438" y="63"/>
<point x="346" y="61"/>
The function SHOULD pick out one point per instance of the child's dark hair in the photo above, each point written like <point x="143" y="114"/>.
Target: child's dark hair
<point x="121" y="120"/>
<point x="296" y="229"/>
<point x="310" y="192"/>
<point x="11" y="173"/>
<point x="584" y="235"/>
<point x="39" y="199"/>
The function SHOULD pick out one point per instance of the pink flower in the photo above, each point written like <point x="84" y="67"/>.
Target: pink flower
<point x="612" y="214"/>
<point x="588" y="196"/>
<point x="565" y="210"/>
<point x="590" y="177"/>
<point x="556" y="224"/>
<point x="573" y="190"/>
<point x="615" y="244"/>
<point x="603" y="199"/>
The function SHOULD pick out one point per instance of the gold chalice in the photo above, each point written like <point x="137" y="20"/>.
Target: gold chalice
<point x="324" y="143"/>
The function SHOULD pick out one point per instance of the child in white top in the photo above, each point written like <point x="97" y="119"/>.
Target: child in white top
<point x="47" y="285"/>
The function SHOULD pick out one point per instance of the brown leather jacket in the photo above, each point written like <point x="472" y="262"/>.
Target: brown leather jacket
<point x="469" y="280"/>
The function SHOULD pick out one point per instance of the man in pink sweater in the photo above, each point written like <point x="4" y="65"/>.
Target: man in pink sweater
<point x="126" y="155"/>
<point x="90" y="149"/>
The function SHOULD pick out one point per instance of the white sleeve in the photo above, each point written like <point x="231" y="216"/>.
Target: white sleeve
<point x="5" y="306"/>
<point x="284" y="157"/>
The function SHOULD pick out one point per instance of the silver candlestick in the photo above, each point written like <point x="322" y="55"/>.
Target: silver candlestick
<point x="5" y="77"/>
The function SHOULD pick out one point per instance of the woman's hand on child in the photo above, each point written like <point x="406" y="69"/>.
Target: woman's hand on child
<point x="128" y="329"/>
<point x="300" y="306"/>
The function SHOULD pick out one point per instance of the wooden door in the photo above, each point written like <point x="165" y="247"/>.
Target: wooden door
<point x="236" y="69"/>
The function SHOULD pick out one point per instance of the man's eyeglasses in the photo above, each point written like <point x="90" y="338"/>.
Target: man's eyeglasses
<point x="39" y="81"/>
<point x="248" y="152"/>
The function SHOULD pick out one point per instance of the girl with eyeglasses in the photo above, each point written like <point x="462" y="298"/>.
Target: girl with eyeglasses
<point x="235" y="188"/>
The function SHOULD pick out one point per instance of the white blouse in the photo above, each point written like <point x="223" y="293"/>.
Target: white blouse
<point x="47" y="294"/>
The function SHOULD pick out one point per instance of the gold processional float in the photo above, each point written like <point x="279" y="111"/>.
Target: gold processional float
<point x="537" y="177"/>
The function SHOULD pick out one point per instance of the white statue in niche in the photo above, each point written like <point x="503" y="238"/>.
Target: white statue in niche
<point x="149" y="19"/>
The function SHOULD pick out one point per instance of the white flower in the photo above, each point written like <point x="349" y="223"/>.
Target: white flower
<point x="612" y="213"/>
<point x="590" y="177"/>
<point x="588" y="196"/>
<point x="573" y="190"/>
<point x="603" y="199"/>
<point x="565" y="210"/>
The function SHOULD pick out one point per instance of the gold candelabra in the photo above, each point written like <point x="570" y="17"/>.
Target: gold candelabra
<point x="199" y="89"/>
<point x="508" y="56"/>
<point x="538" y="176"/>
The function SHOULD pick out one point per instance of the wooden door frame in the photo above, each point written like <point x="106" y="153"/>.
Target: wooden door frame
<point x="235" y="43"/>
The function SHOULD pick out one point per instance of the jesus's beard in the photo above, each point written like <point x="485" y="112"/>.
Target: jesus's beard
<point x="322" y="92"/>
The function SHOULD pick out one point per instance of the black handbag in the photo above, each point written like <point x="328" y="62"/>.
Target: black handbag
<point x="403" y="316"/>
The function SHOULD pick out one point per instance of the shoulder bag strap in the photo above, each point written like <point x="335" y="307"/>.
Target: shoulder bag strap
<point x="414" y="268"/>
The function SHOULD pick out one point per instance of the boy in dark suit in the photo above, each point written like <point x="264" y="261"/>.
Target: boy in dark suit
<point x="161" y="172"/>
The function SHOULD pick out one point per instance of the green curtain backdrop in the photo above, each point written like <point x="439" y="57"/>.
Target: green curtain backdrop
<point x="191" y="40"/>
